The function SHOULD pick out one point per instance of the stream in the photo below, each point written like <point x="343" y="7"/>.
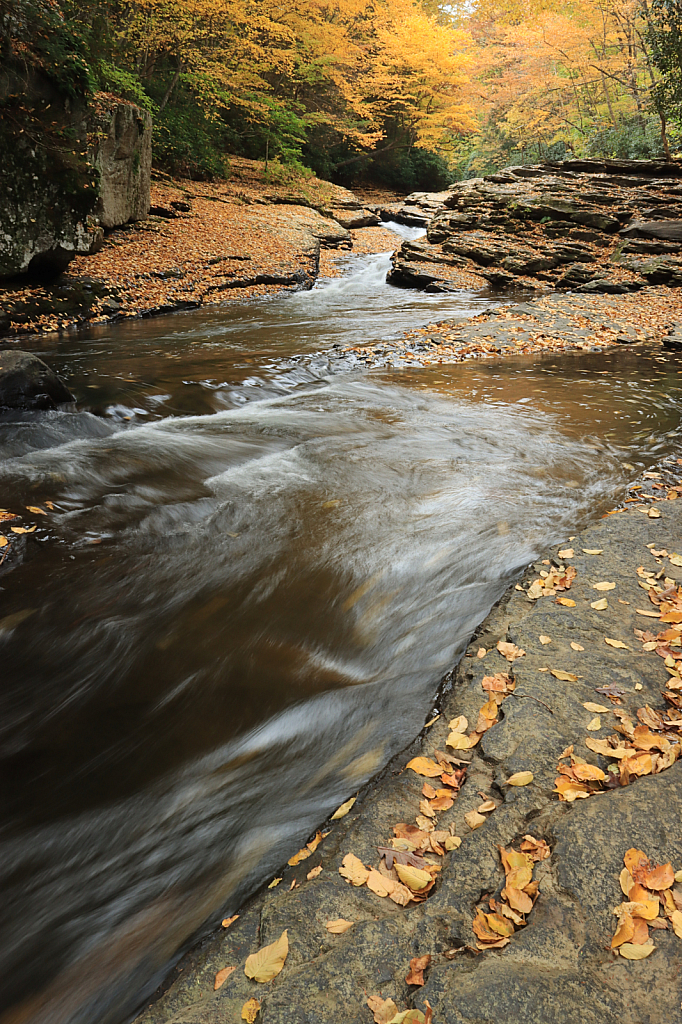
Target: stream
<point x="253" y="580"/>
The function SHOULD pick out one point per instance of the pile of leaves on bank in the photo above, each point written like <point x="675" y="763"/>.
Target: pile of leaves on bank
<point x="650" y="902"/>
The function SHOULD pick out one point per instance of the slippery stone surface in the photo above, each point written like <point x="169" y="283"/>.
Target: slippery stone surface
<point x="120" y="147"/>
<point x="576" y="225"/>
<point x="26" y="382"/>
<point x="559" y="967"/>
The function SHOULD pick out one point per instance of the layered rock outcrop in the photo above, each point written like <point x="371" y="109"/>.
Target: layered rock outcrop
<point x="588" y="226"/>
<point x="120" y="148"/>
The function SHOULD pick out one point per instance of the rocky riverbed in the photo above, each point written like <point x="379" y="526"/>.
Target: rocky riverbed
<point x="574" y="645"/>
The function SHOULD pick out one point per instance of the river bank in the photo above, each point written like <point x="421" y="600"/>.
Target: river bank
<point x="577" y="665"/>
<point x="202" y="243"/>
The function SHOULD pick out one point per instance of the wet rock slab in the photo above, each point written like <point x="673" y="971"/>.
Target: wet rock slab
<point x="560" y="967"/>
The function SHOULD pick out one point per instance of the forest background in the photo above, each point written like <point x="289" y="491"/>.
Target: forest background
<point x="402" y="93"/>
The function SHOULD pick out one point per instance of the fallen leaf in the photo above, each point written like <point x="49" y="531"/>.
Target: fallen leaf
<point x="676" y="559"/>
<point x="339" y="926"/>
<point x="37" y="511"/>
<point x="298" y="857"/>
<point x="250" y="1010"/>
<point x="632" y="952"/>
<point x="268" y="962"/>
<point x="594" y="724"/>
<point x="676" y="922"/>
<point x="566" y="677"/>
<point x="576" y="647"/>
<point x="222" y="976"/>
<point x="23" y="529"/>
<point x="520" y="779"/>
<point x="653" y="513"/>
<point x="314" y="843"/>
<point x="616" y="643"/>
<point x="566" y="553"/>
<point x="587" y="773"/>
<point x="274" y="882"/>
<point x="501" y="925"/>
<point x="453" y="843"/>
<point x="425" y="766"/>
<point x="474" y="819"/>
<point x="378" y="884"/>
<point x="460" y="724"/>
<point x="353" y="870"/>
<point x="418" y="965"/>
<point x="604" y="586"/>
<point x="567" y="602"/>
<point x="626" y="881"/>
<point x="3" y="541"/>
<point x="600" y="605"/>
<point x="593" y="551"/>
<point x="229" y="920"/>
<point x="384" y="1010"/>
<point x="314" y="872"/>
<point x="624" y="931"/>
<point x="343" y="810"/>
<point x="486" y="807"/>
<point x="597" y="709"/>
<point x="458" y="741"/>
<point x="415" y="879"/>
<point x="409" y="1017"/>
<point x="545" y="639"/>
<point x="660" y="877"/>
<point x="481" y="652"/>
<point x="510" y="651"/>
<point x="482" y="929"/>
<point x="569" y="790"/>
<point x="518" y="899"/>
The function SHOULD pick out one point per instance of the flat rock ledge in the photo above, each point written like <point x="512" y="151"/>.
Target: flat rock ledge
<point x="588" y="226"/>
<point x="559" y="968"/>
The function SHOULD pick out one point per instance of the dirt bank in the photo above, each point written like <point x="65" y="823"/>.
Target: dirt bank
<point x="202" y="244"/>
<point x="585" y="665"/>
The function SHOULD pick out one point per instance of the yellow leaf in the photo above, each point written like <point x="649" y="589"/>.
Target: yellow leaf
<point x="37" y="511"/>
<point x="500" y="924"/>
<point x="653" y="513"/>
<point x="567" y="602"/>
<point x="23" y="529"/>
<point x="343" y="810"/>
<point x="545" y="639"/>
<point x="566" y="677"/>
<point x="458" y="741"/>
<point x="675" y="559"/>
<point x="268" y="962"/>
<point x="250" y="1010"/>
<point x="632" y="952"/>
<point x="566" y="553"/>
<point x="594" y="724"/>
<point x="576" y="647"/>
<point x="626" y="881"/>
<point x="624" y="931"/>
<point x="414" y="878"/>
<point x="593" y="551"/>
<point x="604" y="586"/>
<point x="379" y="885"/>
<point x="520" y="779"/>
<point x="229" y="920"/>
<point x="222" y="976"/>
<point x="459" y="724"/>
<point x="298" y="857"/>
<point x="599" y="605"/>
<point x="339" y="926"/>
<point x="676" y="922"/>
<point x="486" y="807"/>
<point x="425" y="766"/>
<point x="678" y="876"/>
<point x="3" y="541"/>
<point x="474" y="819"/>
<point x="616" y="643"/>
<point x="596" y="709"/>
<point x="453" y="843"/>
<point x="315" y="842"/>
<point x="274" y="882"/>
<point x="353" y="870"/>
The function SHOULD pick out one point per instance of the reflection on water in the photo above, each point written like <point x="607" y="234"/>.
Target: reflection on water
<point x="237" y="617"/>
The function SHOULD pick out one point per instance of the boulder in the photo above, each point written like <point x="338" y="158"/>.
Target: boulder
<point x="26" y="382"/>
<point x="120" y="149"/>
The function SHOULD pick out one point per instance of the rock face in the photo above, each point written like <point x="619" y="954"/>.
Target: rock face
<point x="120" y="149"/>
<point x="559" y="967"/>
<point x="26" y="382"/>
<point x="588" y="226"/>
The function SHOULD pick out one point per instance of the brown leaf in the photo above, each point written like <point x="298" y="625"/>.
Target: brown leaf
<point x="660" y="877"/>
<point x="222" y="976"/>
<point x="229" y="920"/>
<point x="268" y="961"/>
<point x="384" y="1010"/>
<point x="298" y="857"/>
<point x="353" y="870"/>
<point x="509" y="651"/>
<point x="474" y="819"/>
<point x="425" y="766"/>
<point x="517" y="899"/>
<point x="418" y="965"/>
<point x="314" y="872"/>
<point x="624" y="931"/>
<point x="314" y="843"/>
<point x="378" y="884"/>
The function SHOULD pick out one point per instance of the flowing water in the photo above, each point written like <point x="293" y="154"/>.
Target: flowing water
<point x="253" y="581"/>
